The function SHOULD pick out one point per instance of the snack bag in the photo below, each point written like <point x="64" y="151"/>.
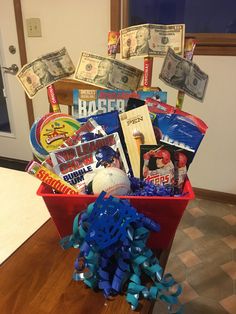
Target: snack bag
<point x="176" y="126"/>
<point x="161" y="114"/>
<point x="108" y="121"/>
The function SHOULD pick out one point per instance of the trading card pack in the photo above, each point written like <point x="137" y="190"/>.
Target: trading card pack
<point x="165" y="164"/>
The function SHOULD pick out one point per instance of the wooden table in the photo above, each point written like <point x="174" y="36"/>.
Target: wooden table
<point x="37" y="279"/>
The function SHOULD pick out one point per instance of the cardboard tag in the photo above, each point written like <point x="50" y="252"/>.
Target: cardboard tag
<point x="137" y="129"/>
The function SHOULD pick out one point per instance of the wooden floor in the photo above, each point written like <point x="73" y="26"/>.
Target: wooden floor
<point x="37" y="279"/>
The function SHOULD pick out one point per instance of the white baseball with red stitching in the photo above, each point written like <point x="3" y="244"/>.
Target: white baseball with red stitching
<point x="112" y="180"/>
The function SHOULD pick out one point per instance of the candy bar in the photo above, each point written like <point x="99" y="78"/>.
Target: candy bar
<point x="50" y="178"/>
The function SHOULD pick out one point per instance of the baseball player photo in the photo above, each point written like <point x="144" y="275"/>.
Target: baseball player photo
<point x="107" y="157"/>
<point x="157" y="165"/>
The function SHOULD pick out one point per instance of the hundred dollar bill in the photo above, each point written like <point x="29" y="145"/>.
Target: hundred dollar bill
<point x="151" y="40"/>
<point x="45" y="70"/>
<point x="184" y="75"/>
<point x="107" y="73"/>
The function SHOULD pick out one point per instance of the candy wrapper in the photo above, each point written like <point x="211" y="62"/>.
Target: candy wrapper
<point x="113" y="256"/>
<point x="72" y="163"/>
<point x="50" y="178"/>
<point x="49" y="131"/>
<point x="113" y="43"/>
<point x="88" y="131"/>
<point x="87" y="103"/>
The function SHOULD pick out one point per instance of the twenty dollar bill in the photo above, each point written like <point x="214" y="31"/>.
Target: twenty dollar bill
<point x="184" y="75"/>
<point x="45" y="70"/>
<point x="151" y="40"/>
<point x="107" y="73"/>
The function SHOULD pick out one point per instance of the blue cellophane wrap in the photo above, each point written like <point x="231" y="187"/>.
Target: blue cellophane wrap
<point x="111" y="236"/>
<point x="139" y="187"/>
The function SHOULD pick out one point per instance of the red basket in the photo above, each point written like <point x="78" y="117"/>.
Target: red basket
<point x="167" y="211"/>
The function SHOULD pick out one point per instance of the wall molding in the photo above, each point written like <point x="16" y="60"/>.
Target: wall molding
<point x="216" y="196"/>
<point x="15" y="164"/>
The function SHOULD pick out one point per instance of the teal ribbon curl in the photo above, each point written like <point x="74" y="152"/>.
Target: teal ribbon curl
<point x="133" y="258"/>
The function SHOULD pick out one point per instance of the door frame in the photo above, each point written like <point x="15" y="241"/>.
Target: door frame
<point x="23" y="54"/>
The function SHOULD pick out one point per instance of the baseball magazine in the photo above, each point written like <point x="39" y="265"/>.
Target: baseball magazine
<point x="91" y="102"/>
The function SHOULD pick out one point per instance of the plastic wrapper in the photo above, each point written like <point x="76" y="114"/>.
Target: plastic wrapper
<point x="50" y="178"/>
<point x="165" y="165"/>
<point x="177" y="127"/>
<point x="73" y="162"/>
<point x="89" y="129"/>
<point x="109" y="121"/>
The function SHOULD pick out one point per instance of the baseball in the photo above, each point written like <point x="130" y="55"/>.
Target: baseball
<point x="112" y="180"/>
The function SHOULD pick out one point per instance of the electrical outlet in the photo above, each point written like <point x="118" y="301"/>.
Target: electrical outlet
<point x="33" y="27"/>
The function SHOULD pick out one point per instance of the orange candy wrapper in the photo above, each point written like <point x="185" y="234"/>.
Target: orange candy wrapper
<point x="50" y="178"/>
<point x="113" y="43"/>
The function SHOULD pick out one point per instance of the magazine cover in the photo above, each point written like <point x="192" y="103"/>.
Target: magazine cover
<point x="91" y="102"/>
<point x="72" y="163"/>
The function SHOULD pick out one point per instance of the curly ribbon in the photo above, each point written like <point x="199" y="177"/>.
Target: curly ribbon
<point x="112" y="238"/>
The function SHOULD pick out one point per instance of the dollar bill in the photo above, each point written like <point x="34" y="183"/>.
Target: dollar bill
<point x="184" y="75"/>
<point x="45" y="70"/>
<point x="107" y="73"/>
<point x="151" y="40"/>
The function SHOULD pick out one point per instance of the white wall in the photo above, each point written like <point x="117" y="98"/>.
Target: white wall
<point x="83" y="26"/>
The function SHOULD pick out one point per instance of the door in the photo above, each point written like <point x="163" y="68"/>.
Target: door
<point x="14" y="126"/>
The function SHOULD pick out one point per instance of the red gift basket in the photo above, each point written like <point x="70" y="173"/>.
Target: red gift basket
<point x="167" y="211"/>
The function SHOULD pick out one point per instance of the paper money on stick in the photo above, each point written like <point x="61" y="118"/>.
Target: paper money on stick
<point x="189" y="46"/>
<point x="45" y="70"/>
<point x="184" y="75"/>
<point x="107" y="73"/>
<point x="151" y="40"/>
